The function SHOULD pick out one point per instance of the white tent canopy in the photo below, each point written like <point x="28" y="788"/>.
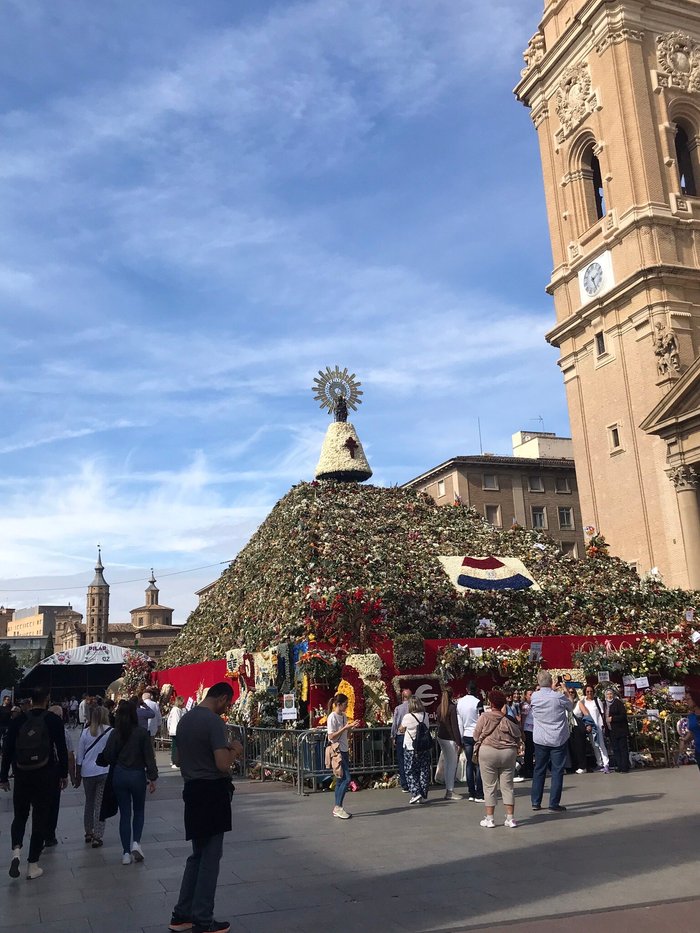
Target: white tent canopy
<point x="95" y="653"/>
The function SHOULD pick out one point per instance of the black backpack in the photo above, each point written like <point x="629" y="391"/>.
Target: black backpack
<point x="33" y="743"/>
<point x="423" y="741"/>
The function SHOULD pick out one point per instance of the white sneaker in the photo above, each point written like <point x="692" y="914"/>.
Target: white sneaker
<point x="126" y="859"/>
<point x="510" y="822"/>
<point x="487" y="822"/>
<point x="33" y="870"/>
<point x="478" y="799"/>
<point x="416" y="799"/>
<point x="518" y="780"/>
<point x="174" y="767"/>
<point x="137" y="852"/>
<point x="580" y="771"/>
<point x="341" y="813"/>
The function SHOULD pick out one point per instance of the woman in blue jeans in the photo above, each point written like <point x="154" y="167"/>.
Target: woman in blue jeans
<point x="338" y="728"/>
<point x="130" y="750"/>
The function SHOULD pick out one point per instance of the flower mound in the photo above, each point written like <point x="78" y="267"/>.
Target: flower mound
<point x="325" y="543"/>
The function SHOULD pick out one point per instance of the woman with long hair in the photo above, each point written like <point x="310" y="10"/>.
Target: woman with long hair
<point x="92" y="742"/>
<point x="497" y="738"/>
<point x="416" y="760"/>
<point x="130" y="750"/>
<point x="338" y="727"/>
<point x="449" y="740"/>
<point x="594" y="720"/>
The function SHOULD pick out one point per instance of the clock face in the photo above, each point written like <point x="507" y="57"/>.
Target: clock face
<point x="593" y="278"/>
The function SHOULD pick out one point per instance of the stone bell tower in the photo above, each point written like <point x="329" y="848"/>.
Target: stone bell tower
<point x="614" y="92"/>
<point x="97" y="606"/>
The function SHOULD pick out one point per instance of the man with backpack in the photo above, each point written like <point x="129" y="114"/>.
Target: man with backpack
<point x="35" y="747"/>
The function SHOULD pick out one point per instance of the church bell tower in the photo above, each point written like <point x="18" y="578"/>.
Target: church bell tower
<point x="97" y="608"/>
<point x="614" y="92"/>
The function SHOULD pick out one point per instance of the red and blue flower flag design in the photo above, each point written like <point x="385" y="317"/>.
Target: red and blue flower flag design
<point x="488" y="573"/>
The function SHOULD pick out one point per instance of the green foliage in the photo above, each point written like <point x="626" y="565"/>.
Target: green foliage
<point x="409" y="652"/>
<point x="49" y="649"/>
<point x="10" y="671"/>
<point x="325" y="539"/>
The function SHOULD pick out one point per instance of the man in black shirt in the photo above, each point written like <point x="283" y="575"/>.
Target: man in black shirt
<point x="33" y="781"/>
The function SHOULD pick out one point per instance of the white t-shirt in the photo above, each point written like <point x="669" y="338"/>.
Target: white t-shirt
<point x="82" y="711"/>
<point x="410" y="722"/>
<point x="337" y="721"/>
<point x="467" y="714"/>
<point x="86" y="756"/>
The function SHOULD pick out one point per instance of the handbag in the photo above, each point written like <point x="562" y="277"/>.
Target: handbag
<point x="109" y="804"/>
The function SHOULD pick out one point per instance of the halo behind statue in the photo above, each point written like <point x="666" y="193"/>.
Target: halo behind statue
<point x="342" y="457"/>
<point x="334" y="387"/>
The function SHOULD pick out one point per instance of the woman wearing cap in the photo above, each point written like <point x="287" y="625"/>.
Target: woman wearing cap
<point x="497" y="738"/>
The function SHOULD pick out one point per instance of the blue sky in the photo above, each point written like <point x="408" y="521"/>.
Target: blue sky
<point x="202" y="204"/>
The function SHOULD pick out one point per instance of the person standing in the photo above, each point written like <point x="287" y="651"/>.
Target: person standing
<point x="154" y="724"/>
<point x="591" y="709"/>
<point x="397" y="736"/>
<point x="92" y="741"/>
<point x="174" y="717"/>
<point x="338" y="727"/>
<point x="83" y="711"/>
<point x="577" y="734"/>
<point x="206" y="758"/>
<point x="73" y="708"/>
<point x="497" y="738"/>
<point x="417" y="759"/>
<point x="144" y="714"/>
<point x="5" y="716"/>
<point x="618" y="730"/>
<point x="550" y="710"/>
<point x="468" y="709"/>
<point x="449" y="740"/>
<point x="130" y="750"/>
<point x="692" y="699"/>
<point x="527" y="725"/>
<point x="35" y="747"/>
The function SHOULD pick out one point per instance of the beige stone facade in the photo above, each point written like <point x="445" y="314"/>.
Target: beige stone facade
<point x="532" y="492"/>
<point x="614" y="92"/>
<point x="34" y="622"/>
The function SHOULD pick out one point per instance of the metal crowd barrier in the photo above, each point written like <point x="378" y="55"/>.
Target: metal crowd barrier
<point x="301" y="754"/>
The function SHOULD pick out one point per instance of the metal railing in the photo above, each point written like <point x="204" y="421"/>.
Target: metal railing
<point x="300" y="755"/>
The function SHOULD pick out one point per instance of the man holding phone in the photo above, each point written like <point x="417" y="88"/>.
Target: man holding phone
<point x="550" y="713"/>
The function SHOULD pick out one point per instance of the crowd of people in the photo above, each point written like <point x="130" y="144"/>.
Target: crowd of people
<point x="506" y="738"/>
<point x="114" y="761"/>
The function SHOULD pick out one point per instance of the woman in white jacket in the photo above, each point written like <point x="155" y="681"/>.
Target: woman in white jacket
<point x="590" y="706"/>
<point x="92" y="741"/>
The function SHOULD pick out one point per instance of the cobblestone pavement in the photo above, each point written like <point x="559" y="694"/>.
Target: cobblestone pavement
<point x="628" y="844"/>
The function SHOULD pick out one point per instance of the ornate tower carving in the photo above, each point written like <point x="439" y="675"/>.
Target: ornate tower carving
<point x="97" y="608"/>
<point x="614" y="92"/>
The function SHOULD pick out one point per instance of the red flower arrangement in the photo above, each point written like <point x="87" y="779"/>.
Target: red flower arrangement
<point x="347" y="621"/>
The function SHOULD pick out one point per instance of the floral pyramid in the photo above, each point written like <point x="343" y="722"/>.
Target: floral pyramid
<point x="325" y="539"/>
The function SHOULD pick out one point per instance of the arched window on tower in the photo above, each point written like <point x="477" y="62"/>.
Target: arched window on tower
<point x="590" y="196"/>
<point x="686" y="148"/>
